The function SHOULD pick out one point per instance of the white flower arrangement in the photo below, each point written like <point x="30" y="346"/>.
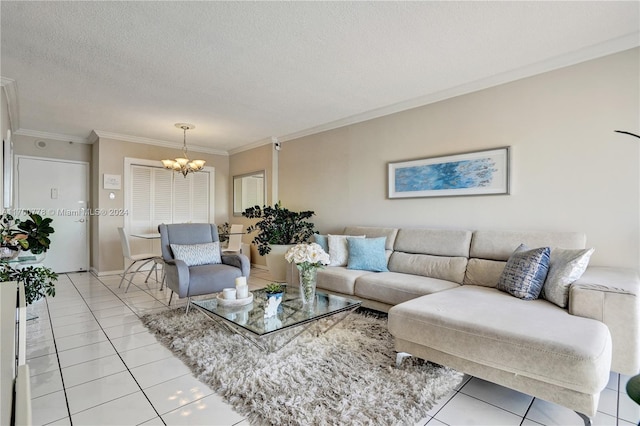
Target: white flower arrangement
<point x="307" y="256"/>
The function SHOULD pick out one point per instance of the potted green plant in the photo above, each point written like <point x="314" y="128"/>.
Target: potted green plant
<point x="278" y="229"/>
<point x="38" y="280"/>
<point x="12" y="239"/>
<point x="273" y="289"/>
<point x="37" y="230"/>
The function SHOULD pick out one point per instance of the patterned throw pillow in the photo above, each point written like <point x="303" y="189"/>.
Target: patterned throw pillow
<point x="339" y="250"/>
<point x="197" y="254"/>
<point x="525" y="272"/>
<point x="367" y="254"/>
<point x="565" y="267"/>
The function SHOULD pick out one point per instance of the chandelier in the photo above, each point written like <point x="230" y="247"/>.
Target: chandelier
<point x="183" y="164"/>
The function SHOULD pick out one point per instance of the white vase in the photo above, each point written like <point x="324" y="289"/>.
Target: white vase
<point x="276" y="262"/>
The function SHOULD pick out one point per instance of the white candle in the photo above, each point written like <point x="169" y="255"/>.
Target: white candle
<point x="229" y="293"/>
<point x="242" y="291"/>
<point x="241" y="281"/>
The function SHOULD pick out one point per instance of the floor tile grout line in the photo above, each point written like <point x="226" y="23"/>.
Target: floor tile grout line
<point x="55" y="345"/>
<point x="119" y="356"/>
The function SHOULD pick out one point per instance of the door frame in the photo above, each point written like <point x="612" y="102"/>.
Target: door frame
<point x="88" y="193"/>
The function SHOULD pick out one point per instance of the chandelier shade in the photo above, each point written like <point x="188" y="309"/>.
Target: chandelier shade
<point x="183" y="164"/>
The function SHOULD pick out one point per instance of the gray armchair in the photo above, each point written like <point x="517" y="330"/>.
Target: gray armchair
<point x="188" y="281"/>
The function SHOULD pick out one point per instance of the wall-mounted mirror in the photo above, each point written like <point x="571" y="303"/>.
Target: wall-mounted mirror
<point x="248" y="190"/>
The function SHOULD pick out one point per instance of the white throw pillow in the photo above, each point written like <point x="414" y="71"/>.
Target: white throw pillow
<point x="197" y="254"/>
<point x="339" y="249"/>
<point x="565" y="267"/>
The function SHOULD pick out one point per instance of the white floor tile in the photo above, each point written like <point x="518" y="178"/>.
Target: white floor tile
<point x="202" y="411"/>
<point x="85" y="353"/>
<point x="465" y="410"/>
<point x="111" y="312"/>
<point x="91" y="370"/>
<point x="127" y="318"/>
<point x="112" y="303"/>
<point x="175" y="393"/>
<point x="45" y="383"/>
<point x="43" y="364"/>
<point x="131" y="409"/>
<point x="497" y="395"/>
<point x="72" y="319"/>
<point x="551" y="414"/>
<point x="82" y="339"/>
<point x="77" y="328"/>
<point x="629" y="410"/>
<point x="144" y="355"/>
<point x="48" y="408"/>
<point x="156" y="421"/>
<point x="153" y="373"/>
<point x="124" y="330"/>
<point x="39" y="347"/>
<point x="96" y="392"/>
<point x="134" y="341"/>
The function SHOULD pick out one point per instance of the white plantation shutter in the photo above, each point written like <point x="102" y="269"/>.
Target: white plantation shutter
<point x="200" y="198"/>
<point x="159" y="195"/>
<point x="162" y="197"/>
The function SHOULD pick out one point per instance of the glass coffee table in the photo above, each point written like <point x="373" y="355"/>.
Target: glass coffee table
<point x="293" y="318"/>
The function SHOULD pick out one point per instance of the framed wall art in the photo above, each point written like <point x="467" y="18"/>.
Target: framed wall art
<point x="472" y="173"/>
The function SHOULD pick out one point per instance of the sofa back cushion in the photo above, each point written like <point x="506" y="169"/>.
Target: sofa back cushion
<point x="441" y="267"/>
<point x="484" y="272"/>
<point x="435" y="242"/>
<point x="499" y="245"/>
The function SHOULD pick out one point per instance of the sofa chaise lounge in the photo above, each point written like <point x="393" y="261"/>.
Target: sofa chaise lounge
<point x="443" y="305"/>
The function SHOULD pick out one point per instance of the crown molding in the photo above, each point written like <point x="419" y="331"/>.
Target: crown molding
<point x="11" y="95"/>
<point x="257" y="144"/>
<point x="156" y="142"/>
<point x="52" y="136"/>
<point x="610" y="47"/>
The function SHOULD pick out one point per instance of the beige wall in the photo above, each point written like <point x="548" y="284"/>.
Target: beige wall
<point x="260" y="158"/>
<point x="570" y="171"/>
<point x="108" y="156"/>
<point x="26" y="145"/>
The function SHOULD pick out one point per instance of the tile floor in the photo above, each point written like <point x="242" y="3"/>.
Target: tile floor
<point x="93" y="362"/>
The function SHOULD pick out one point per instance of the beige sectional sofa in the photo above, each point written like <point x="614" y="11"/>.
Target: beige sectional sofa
<point x="443" y="304"/>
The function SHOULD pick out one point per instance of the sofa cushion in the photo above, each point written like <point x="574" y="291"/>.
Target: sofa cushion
<point x="367" y="254"/>
<point x="393" y="288"/>
<point x="499" y="245"/>
<point x="441" y="267"/>
<point x="525" y="272"/>
<point x="437" y="242"/>
<point x="374" y="232"/>
<point x="535" y="338"/>
<point x="565" y="267"/>
<point x="483" y="272"/>
<point x="197" y="254"/>
<point x="339" y="249"/>
<point x="339" y="279"/>
<point x="200" y="281"/>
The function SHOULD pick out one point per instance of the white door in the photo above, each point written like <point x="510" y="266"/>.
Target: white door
<point x="57" y="189"/>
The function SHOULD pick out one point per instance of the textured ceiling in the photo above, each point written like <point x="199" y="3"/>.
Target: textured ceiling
<point x="245" y="71"/>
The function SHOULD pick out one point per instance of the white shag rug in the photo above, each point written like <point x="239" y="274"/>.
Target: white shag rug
<point x="346" y="376"/>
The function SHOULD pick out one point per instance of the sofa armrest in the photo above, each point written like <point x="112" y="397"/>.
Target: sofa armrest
<point x="240" y="261"/>
<point x="612" y="296"/>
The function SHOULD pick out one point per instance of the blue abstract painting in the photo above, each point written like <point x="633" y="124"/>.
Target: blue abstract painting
<point x="463" y="174"/>
<point x="483" y="172"/>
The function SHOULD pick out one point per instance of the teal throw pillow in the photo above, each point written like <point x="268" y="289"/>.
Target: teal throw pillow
<point x="525" y="272"/>
<point x="367" y="254"/>
<point x="322" y="241"/>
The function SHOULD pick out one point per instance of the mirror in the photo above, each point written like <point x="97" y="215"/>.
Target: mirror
<point x="248" y="191"/>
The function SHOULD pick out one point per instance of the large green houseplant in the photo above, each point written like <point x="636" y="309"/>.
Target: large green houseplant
<point x="278" y="225"/>
<point x="32" y="234"/>
<point x="278" y="229"/>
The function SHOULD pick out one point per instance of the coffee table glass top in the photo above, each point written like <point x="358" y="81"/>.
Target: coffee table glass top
<point x="292" y="312"/>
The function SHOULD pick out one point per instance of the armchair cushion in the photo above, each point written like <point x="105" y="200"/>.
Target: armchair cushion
<point x="197" y="254"/>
